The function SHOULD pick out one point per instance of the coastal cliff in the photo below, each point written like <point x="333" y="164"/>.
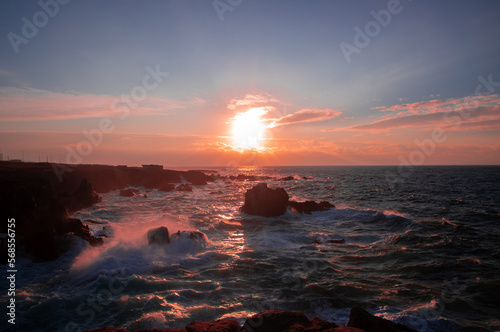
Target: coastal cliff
<point x="42" y="196"/>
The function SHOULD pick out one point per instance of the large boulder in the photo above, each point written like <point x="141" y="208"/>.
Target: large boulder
<point x="362" y="319"/>
<point x="193" y="235"/>
<point x="316" y="324"/>
<point x="221" y="325"/>
<point x="309" y="206"/>
<point x="275" y="320"/>
<point x="265" y="202"/>
<point x="158" y="236"/>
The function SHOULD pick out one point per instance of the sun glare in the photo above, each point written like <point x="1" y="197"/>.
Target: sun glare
<point x="248" y="129"/>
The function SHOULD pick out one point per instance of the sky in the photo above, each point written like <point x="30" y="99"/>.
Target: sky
<point x="250" y="82"/>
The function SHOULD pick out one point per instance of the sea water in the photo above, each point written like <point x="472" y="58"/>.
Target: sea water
<point x="416" y="245"/>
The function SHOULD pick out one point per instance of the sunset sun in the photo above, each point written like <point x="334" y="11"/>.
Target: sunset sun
<point x="248" y="129"/>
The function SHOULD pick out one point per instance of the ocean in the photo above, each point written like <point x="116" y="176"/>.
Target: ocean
<point x="421" y="247"/>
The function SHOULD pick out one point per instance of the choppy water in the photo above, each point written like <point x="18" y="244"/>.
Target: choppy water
<point x="421" y="247"/>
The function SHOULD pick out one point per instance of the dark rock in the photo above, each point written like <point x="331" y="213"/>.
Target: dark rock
<point x="264" y="201"/>
<point x="336" y="241"/>
<point x="112" y="329"/>
<point x="158" y="236"/>
<point x="221" y="325"/>
<point x="40" y="204"/>
<point x="197" y="178"/>
<point x="345" y="329"/>
<point x="162" y="330"/>
<point x="309" y="206"/>
<point x="315" y="325"/>
<point x="94" y="221"/>
<point x="106" y="329"/>
<point x="275" y="320"/>
<point x="84" y="197"/>
<point x="184" y="187"/>
<point x="287" y="178"/>
<point x="128" y="192"/>
<point x="167" y="188"/>
<point x="362" y="319"/>
<point x="76" y="227"/>
<point x="193" y="235"/>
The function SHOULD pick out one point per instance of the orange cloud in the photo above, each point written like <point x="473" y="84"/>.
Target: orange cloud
<point x="307" y="115"/>
<point x="434" y="106"/>
<point x="31" y="104"/>
<point x="454" y="114"/>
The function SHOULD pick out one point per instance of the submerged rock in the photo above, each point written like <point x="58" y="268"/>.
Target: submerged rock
<point x="309" y="206"/>
<point x="158" y="236"/>
<point x="128" y="192"/>
<point x="265" y="202"/>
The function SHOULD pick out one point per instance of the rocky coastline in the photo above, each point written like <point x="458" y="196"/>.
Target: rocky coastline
<point x="42" y="196"/>
<point x="286" y="321"/>
<point x="41" y="199"/>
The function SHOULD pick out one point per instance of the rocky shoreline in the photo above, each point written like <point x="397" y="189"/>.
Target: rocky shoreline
<point x="41" y="199"/>
<point x="287" y="321"/>
<point x="42" y="196"/>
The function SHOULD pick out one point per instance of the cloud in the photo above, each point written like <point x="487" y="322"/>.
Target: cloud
<point x="251" y="100"/>
<point x="454" y="114"/>
<point x="22" y="104"/>
<point x="307" y="115"/>
<point x="435" y="106"/>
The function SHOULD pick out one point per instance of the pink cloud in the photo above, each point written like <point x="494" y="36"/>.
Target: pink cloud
<point x="455" y="114"/>
<point x="307" y="115"/>
<point x="434" y="106"/>
<point x="31" y="104"/>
